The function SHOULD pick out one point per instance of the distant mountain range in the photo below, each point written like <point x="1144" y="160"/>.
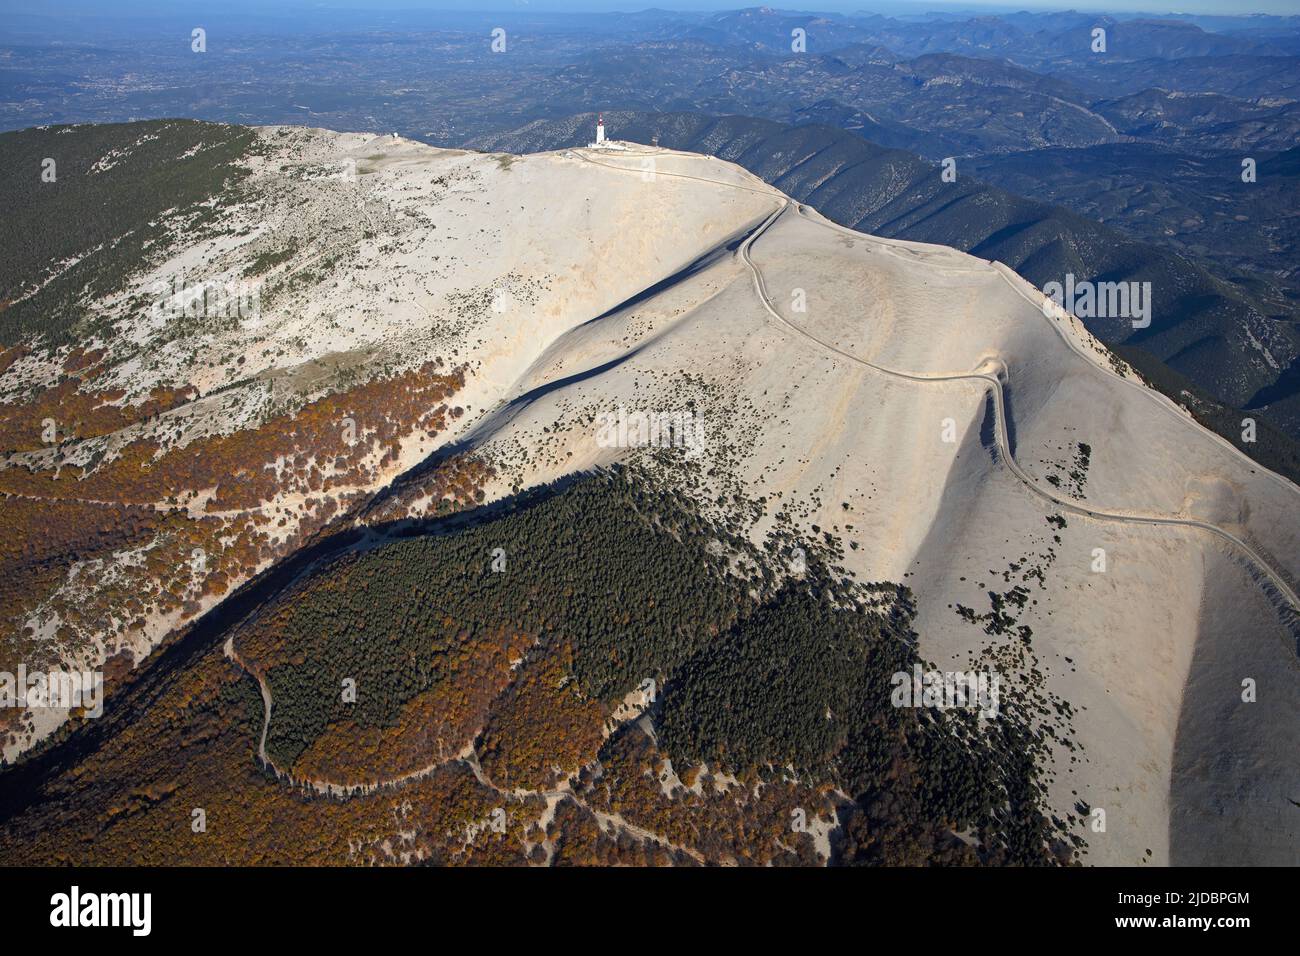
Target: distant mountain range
<point x="1197" y="205"/>
<point x="1037" y="40"/>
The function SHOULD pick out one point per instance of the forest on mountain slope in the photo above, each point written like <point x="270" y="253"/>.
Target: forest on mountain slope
<point x="518" y="637"/>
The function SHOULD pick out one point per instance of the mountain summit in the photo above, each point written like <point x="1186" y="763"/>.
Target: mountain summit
<point x="712" y="450"/>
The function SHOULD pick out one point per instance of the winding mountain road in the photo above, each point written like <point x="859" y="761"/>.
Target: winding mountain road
<point x="467" y="758"/>
<point x="986" y="379"/>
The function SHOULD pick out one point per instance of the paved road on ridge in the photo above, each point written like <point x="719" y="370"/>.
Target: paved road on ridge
<point x="984" y="379"/>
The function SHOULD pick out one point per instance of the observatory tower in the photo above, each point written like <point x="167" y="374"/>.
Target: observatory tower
<point x="601" y="142"/>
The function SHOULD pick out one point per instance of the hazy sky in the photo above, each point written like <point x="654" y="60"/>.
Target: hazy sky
<point x="889" y="7"/>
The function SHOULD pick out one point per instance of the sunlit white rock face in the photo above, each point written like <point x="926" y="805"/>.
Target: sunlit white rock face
<point x="794" y="413"/>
